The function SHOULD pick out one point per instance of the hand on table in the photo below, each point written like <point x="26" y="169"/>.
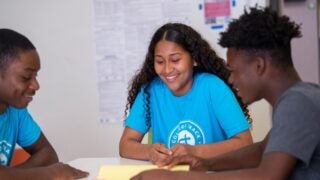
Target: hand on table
<point x="182" y="149"/>
<point x="59" y="171"/>
<point x="195" y="163"/>
<point x="160" y="155"/>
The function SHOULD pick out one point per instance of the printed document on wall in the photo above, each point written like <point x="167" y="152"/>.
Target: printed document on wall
<point x="123" y="29"/>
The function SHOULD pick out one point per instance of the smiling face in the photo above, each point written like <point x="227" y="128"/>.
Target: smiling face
<point x="174" y="66"/>
<point x="243" y="76"/>
<point x="18" y="83"/>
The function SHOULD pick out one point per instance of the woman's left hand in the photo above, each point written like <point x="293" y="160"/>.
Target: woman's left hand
<point x="182" y="149"/>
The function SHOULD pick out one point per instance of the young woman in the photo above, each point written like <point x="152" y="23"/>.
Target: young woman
<point x="182" y="94"/>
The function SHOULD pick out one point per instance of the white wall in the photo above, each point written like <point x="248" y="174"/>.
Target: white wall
<point x="305" y="50"/>
<point x="66" y="107"/>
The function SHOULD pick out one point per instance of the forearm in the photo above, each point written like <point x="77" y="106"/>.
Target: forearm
<point x="214" y="149"/>
<point x="247" y="157"/>
<point x="42" y="154"/>
<point x="246" y="174"/>
<point x="190" y="175"/>
<point x="134" y="150"/>
<point x="24" y="174"/>
<point x="243" y="174"/>
<point x="44" y="157"/>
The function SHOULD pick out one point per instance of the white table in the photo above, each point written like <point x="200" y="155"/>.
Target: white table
<point x="92" y="165"/>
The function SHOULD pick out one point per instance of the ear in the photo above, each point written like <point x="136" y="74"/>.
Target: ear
<point x="195" y="63"/>
<point x="259" y="65"/>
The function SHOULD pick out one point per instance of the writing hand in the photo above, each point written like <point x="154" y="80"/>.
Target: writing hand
<point x="159" y="154"/>
<point x="182" y="149"/>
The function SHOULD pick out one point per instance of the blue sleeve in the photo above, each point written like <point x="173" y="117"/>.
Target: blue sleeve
<point x="29" y="131"/>
<point x="136" y="119"/>
<point x="228" y="110"/>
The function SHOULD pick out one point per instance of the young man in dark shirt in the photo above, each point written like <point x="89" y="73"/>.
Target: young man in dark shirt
<point x="261" y="67"/>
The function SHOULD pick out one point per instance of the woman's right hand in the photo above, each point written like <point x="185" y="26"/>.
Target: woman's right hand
<point x="159" y="154"/>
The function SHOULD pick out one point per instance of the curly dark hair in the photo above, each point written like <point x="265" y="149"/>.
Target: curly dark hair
<point x="261" y="31"/>
<point x="12" y="44"/>
<point x="206" y="58"/>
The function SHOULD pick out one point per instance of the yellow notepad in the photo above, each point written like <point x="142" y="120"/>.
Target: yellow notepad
<point x="125" y="172"/>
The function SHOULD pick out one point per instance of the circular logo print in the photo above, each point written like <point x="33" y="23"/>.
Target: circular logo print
<point x="186" y="132"/>
<point x="4" y="152"/>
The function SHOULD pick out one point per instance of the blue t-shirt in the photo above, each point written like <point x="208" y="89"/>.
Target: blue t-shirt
<point x="207" y="113"/>
<point x="16" y="126"/>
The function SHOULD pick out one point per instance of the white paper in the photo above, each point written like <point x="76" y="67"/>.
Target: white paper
<point x="123" y="30"/>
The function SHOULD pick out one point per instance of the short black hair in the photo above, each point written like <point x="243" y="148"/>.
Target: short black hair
<point x="262" y="30"/>
<point x="12" y="44"/>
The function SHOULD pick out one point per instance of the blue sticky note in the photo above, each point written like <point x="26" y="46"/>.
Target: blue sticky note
<point x="233" y="3"/>
<point x="217" y="27"/>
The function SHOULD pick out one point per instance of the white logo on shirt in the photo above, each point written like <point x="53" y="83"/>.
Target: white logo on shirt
<point x="186" y="132"/>
<point x="4" y="152"/>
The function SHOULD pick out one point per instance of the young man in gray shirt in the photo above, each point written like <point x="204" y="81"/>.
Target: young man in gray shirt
<point x="261" y="67"/>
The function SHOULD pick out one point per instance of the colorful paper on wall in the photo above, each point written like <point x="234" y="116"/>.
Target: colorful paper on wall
<point x="217" y="12"/>
<point x="125" y="172"/>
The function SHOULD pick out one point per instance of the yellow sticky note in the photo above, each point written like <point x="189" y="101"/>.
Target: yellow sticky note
<point x="125" y="172"/>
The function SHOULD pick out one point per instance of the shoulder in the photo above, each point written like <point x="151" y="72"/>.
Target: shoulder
<point x="309" y="91"/>
<point x="154" y="84"/>
<point x="157" y="85"/>
<point x="206" y="77"/>
<point x="17" y="115"/>
<point x="300" y="102"/>
<point x="209" y="79"/>
<point x="305" y="88"/>
<point x="212" y="83"/>
<point x="301" y="94"/>
<point x="156" y="81"/>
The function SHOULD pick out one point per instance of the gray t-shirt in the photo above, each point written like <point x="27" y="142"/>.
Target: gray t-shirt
<point x="296" y="129"/>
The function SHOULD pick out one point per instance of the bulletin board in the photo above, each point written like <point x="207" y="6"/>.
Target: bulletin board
<point x="123" y="29"/>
